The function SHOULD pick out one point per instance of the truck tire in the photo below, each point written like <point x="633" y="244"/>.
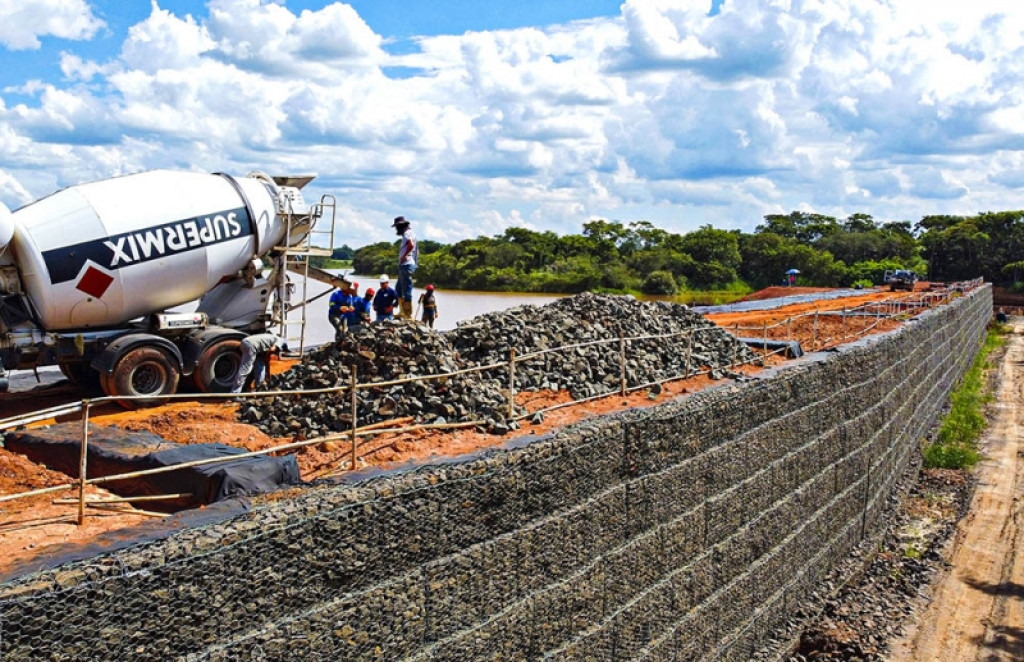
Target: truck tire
<point x="217" y="366"/>
<point x="142" y="371"/>
<point x="82" y="376"/>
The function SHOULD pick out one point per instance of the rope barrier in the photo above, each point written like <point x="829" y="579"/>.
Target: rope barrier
<point x="374" y="430"/>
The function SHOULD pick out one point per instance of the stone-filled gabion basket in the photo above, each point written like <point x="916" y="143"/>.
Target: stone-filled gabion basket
<point x="401" y="349"/>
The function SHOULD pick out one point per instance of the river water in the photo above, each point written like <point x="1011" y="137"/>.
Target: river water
<point x="453" y="306"/>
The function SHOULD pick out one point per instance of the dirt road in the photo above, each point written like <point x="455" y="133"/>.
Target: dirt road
<point x="977" y="607"/>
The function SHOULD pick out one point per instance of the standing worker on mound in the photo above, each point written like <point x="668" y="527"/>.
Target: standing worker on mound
<point x="429" y="304"/>
<point x="408" y="258"/>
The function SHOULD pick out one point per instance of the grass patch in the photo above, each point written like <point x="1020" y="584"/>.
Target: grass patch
<point x="956" y="445"/>
<point x="329" y="263"/>
<point x="730" y="293"/>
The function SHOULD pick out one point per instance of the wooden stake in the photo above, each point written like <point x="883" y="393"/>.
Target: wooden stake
<point x="386" y="424"/>
<point x="83" y="454"/>
<point x="355" y="408"/>
<point x="512" y="383"/>
<point x="148" y="497"/>
<point x="134" y="511"/>
<point x="622" y="365"/>
<point x="689" y="351"/>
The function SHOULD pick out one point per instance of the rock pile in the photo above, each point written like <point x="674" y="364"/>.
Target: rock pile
<point x="385" y="352"/>
<point x="596" y="368"/>
<point x="398" y="350"/>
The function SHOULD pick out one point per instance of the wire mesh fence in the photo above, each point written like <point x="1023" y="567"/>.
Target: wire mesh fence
<point x="629" y="376"/>
<point x="686" y="531"/>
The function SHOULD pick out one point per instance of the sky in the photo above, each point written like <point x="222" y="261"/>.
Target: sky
<point x="472" y="117"/>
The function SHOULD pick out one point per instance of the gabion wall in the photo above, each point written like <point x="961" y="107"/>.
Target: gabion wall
<point x="683" y="531"/>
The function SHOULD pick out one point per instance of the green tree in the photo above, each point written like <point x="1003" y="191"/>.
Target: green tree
<point x="956" y="251"/>
<point x="767" y="257"/>
<point x="1014" y="270"/>
<point x="660" y="282"/>
<point x="804" y="227"/>
<point x="377" y="258"/>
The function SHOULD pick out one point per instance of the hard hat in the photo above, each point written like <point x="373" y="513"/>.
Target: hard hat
<point x="384" y="278"/>
<point x="399" y="220"/>
<point x="355" y="286"/>
<point x="369" y="290"/>
<point x="430" y="288"/>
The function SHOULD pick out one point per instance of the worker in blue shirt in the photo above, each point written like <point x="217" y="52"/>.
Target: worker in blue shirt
<point x="385" y="299"/>
<point x="354" y="317"/>
<point x="340" y="307"/>
<point x="365" y="306"/>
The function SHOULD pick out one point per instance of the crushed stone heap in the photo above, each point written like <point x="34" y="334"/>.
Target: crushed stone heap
<point x="401" y="349"/>
<point x="381" y="353"/>
<point x="595" y="369"/>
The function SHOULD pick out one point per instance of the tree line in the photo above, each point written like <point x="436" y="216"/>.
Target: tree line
<point x="611" y="256"/>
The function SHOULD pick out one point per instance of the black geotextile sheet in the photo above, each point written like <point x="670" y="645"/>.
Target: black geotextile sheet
<point x="115" y="451"/>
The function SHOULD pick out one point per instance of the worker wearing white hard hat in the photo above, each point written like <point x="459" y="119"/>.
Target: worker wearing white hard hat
<point x="384" y="300"/>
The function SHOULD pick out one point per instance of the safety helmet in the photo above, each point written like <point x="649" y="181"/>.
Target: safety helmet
<point x="384" y="278"/>
<point x="369" y="291"/>
<point x="354" y="286"/>
<point x="430" y="288"/>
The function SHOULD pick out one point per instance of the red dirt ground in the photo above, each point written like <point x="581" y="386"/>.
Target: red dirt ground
<point x="30" y="525"/>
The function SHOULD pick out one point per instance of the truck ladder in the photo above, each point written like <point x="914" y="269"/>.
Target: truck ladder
<point x="307" y="235"/>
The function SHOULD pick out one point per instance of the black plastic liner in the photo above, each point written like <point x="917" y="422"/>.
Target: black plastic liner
<point x="792" y="348"/>
<point x="115" y="451"/>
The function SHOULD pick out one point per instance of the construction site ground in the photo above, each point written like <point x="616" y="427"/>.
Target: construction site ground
<point x="974" y="610"/>
<point x="29" y="526"/>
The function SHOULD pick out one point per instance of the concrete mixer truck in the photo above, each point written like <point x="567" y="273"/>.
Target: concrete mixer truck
<point x="90" y="275"/>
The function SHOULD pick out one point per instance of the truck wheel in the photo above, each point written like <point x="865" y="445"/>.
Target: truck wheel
<point x="82" y="376"/>
<point x="143" y="371"/>
<point x="217" y="366"/>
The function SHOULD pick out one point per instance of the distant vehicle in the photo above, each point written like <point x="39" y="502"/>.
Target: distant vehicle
<point x="900" y="279"/>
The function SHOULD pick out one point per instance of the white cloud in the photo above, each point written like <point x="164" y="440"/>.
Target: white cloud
<point x="164" y="41"/>
<point x="268" y="38"/>
<point x="933" y="183"/>
<point x="664" y="113"/>
<point x="23" y="22"/>
<point x="11" y="189"/>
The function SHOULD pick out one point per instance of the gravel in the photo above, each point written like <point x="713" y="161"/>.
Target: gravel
<point x="402" y="349"/>
<point x="858" y="619"/>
